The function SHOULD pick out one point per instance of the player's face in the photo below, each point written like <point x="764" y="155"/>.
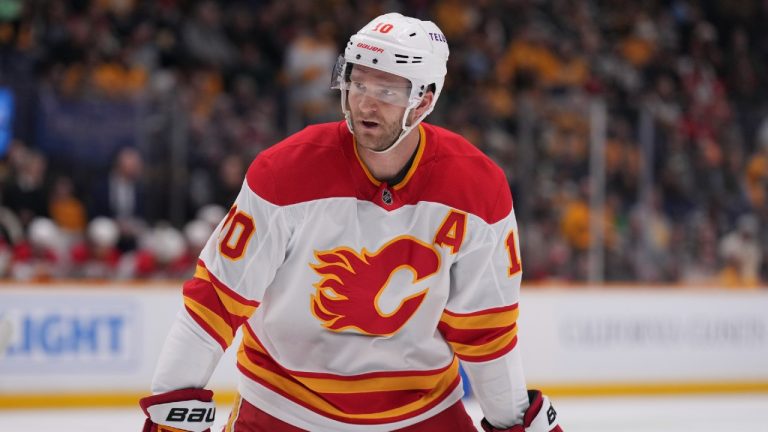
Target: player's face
<point x="377" y="101"/>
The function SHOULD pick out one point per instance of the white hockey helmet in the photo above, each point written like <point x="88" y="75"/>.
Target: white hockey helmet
<point x="103" y="232"/>
<point x="407" y="47"/>
<point x="167" y="243"/>
<point x="197" y="233"/>
<point x="44" y="233"/>
<point x="212" y="214"/>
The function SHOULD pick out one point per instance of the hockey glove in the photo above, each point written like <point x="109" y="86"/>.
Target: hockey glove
<point x="190" y="409"/>
<point x="540" y="417"/>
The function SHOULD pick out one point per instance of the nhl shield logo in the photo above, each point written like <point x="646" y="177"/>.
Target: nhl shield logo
<point x="386" y="196"/>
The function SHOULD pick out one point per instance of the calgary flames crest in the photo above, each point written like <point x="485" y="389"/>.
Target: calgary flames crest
<point x="348" y="294"/>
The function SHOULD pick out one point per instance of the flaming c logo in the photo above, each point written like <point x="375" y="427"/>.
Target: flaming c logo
<point x="347" y="296"/>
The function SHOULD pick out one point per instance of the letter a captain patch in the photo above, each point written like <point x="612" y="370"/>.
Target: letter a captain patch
<point x="451" y="231"/>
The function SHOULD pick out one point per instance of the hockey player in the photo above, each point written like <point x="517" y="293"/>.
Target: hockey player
<point x="362" y="261"/>
<point x="39" y="258"/>
<point x="97" y="257"/>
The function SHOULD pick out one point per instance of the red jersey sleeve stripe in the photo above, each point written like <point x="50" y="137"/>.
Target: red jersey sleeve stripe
<point x="218" y="309"/>
<point x="202" y="300"/>
<point x="240" y="304"/>
<point x="481" y="335"/>
<point x="488" y="318"/>
<point x="508" y="346"/>
<point x="199" y="313"/>
<point x="490" y="350"/>
<point x="473" y="337"/>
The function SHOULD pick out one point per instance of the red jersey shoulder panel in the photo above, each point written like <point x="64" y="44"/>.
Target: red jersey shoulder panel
<point x="465" y="178"/>
<point x="311" y="165"/>
<point x="307" y="165"/>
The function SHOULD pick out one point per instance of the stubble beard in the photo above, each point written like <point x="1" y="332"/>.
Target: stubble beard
<point x="389" y="133"/>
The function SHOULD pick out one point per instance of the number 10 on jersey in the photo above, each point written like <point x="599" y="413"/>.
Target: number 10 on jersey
<point x="237" y="231"/>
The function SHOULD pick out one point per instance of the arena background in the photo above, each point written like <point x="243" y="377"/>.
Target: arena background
<point x="634" y="136"/>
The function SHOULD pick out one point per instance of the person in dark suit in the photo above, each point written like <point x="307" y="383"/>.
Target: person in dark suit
<point x="121" y="196"/>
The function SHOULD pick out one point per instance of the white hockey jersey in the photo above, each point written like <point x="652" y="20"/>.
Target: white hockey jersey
<point x="358" y="298"/>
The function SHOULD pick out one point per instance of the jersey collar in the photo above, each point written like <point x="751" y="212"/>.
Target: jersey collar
<point x="411" y="170"/>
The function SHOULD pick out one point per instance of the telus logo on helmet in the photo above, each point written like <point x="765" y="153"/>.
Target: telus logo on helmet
<point x="370" y="47"/>
<point x="438" y="37"/>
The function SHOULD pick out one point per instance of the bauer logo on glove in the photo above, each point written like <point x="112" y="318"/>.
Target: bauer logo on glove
<point x="185" y="409"/>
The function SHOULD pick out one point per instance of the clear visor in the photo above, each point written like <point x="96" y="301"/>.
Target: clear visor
<point x="382" y="86"/>
<point x="339" y="70"/>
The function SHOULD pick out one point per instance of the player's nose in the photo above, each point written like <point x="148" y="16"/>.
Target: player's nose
<point x="367" y="103"/>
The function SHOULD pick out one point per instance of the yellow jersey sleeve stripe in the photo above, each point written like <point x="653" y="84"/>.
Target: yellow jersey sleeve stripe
<point x="481" y="321"/>
<point x="486" y="349"/>
<point x="202" y="273"/>
<point x="216" y="322"/>
<point x="232" y="305"/>
<point x="250" y="341"/>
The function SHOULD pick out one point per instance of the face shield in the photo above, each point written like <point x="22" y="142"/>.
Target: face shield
<point x="382" y="86"/>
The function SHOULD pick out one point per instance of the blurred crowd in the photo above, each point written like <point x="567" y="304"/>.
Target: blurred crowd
<point x="134" y="122"/>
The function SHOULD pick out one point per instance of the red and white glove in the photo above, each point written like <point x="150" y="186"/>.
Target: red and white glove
<point x="540" y="417"/>
<point x="190" y="409"/>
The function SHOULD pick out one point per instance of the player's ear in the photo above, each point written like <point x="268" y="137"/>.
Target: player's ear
<point x="426" y="101"/>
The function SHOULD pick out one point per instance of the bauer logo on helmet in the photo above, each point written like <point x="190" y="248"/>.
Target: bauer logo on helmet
<point x="370" y="47"/>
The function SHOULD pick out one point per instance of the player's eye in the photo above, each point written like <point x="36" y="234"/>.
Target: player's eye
<point x="357" y="85"/>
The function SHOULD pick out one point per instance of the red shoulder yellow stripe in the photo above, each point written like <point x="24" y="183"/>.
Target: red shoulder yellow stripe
<point x="481" y="335"/>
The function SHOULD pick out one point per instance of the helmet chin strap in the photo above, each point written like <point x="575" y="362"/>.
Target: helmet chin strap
<point x="404" y="130"/>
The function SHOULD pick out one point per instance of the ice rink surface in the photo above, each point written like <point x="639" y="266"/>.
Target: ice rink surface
<point x="711" y="413"/>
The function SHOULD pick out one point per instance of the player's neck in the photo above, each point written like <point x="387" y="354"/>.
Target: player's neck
<point x="385" y="166"/>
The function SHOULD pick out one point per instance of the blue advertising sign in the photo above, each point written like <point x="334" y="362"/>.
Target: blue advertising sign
<point x="86" y="131"/>
<point x="89" y="334"/>
<point x="6" y="119"/>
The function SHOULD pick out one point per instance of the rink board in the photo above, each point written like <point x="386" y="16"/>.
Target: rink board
<point x="83" y="344"/>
